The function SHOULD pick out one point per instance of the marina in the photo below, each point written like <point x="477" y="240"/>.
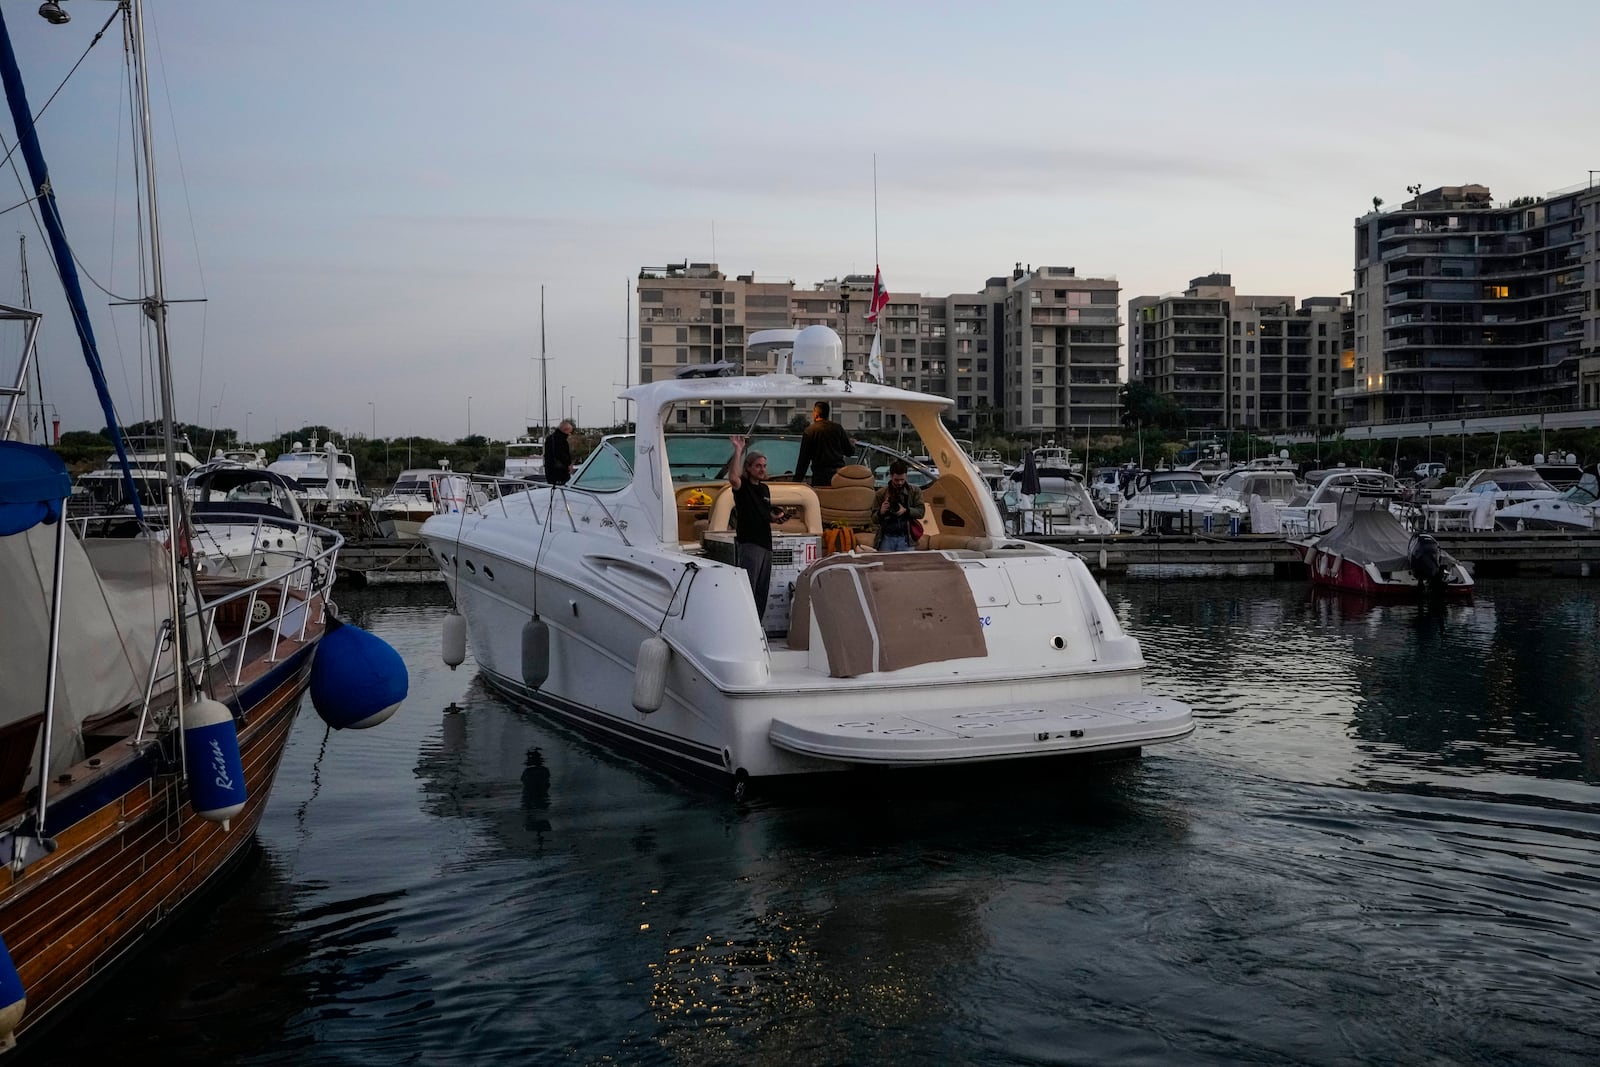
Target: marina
<point x="1375" y="848"/>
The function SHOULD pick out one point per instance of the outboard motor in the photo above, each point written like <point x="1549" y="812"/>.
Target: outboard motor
<point x="1427" y="562"/>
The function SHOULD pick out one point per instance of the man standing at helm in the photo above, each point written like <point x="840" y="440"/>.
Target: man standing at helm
<point x="823" y="448"/>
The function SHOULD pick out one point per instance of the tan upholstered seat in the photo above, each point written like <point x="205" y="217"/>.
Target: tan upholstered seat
<point x="848" y="498"/>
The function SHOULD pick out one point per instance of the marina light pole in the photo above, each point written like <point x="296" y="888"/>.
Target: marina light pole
<point x="247" y="425"/>
<point x="469" y="414"/>
<point x="374" y="407"/>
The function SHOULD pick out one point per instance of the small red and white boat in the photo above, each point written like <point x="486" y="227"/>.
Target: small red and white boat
<point x="1368" y="550"/>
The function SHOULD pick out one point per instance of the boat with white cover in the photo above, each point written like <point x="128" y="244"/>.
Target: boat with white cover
<point x="599" y="602"/>
<point x="1162" y="499"/>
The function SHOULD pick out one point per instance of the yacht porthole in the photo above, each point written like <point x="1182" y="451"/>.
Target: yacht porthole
<point x="471" y="567"/>
<point x="1058" y="642"/>
<point x="487" y="573"/>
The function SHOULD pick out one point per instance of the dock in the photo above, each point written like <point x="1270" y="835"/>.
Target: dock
<point x="376" y="558"/>
<point x="1489" y="551"/>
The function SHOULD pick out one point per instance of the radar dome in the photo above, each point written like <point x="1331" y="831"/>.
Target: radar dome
<point x="818" y="353"/>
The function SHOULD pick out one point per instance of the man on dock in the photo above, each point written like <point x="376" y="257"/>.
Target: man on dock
<point x="558" y="454"/>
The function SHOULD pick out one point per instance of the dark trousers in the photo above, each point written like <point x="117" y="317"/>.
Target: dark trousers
<point x="757" y="563"/>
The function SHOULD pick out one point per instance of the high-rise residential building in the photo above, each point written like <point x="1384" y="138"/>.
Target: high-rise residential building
<point x="1260" y="362"/>
<point x="1464" y="306"/>
<point x="1062" y="347"/>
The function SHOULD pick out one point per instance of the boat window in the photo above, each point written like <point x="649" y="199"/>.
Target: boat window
<point x="605" y="471"/>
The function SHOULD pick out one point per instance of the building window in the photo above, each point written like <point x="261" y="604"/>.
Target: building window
<point x="683" y="355"/>
<point x="683" y="334"/>
<point x="1038" y="396"/>
<point x="644" y="334"/>
<point x="1236" y="327"/>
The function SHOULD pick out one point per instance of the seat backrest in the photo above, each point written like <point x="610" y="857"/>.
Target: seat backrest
<point x="784" y="494"/>
<point x="848" y="498"/>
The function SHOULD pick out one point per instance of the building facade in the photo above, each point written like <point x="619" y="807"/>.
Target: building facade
<point x="1060" y="332"/>
<point x="1464" y="306"/>
<point x="1232" y="360"/>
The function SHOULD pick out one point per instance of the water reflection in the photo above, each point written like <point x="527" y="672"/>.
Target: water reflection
<point x="1498" y="686"/>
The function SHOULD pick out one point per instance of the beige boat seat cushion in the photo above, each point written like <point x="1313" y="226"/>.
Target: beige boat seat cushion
<point x="848" y="498"/>
<point x="802" y="499"/>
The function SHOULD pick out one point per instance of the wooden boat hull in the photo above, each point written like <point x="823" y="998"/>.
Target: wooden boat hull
<point x="131" y="850"/>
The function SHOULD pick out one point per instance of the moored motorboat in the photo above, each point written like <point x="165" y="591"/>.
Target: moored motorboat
<point x="1164" y="500"/>
<point x="590" y="602"/>
<point x="1369" y="551"/>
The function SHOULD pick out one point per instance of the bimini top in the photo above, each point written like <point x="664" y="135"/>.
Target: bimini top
<point x="34" y="486"/>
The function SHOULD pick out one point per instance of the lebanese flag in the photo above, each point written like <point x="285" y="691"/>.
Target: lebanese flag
<point x="880" y="296"/>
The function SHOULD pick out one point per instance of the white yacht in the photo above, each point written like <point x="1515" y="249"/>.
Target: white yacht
<point x="1264" y="491"/>
<point x="246" y="522"/>
<point x="104" y="491"/>
<point x="1317" y="511"/>
<point x="613" y="603"/>
<point x="418" y="495"/>
<point x="1510" y="498"/>
<point x="1177" y="499"/>
<point x="525" y="459"/>
<point x="326" y="477"/>
<point x="1062" y="505"/>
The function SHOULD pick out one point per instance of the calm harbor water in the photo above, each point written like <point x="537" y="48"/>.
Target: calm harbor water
<point x="1379" y="847"/>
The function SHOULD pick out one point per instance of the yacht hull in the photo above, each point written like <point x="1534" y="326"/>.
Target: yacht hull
<point x="735" y="704"/>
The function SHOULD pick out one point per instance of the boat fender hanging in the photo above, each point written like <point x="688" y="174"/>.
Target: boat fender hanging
<point x="211" y="750"/>
<point x="455" y="640"/>
<point x="535" y="652"/>
<point x="358" y="680"/>
<point x="13" y="998"/>
<point x="650" y="673"/>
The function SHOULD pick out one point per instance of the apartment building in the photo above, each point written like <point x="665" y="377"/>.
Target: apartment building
<point x="1232" y="359"/>
<point x="692" y="314"/>
<point x="1063" y="334"/>
<point x="1463" y="306"/>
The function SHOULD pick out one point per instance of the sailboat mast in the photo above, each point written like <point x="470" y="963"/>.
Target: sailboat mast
<point x="544" y="372"/>
<point x="155" y="308"/>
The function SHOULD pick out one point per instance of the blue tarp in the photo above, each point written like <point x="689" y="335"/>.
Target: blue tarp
<point x="34" y="486"/>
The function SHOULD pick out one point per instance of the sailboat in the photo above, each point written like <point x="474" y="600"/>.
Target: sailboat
<point x="146" y="705"/>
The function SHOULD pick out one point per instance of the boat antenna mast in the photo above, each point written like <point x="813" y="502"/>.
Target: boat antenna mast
<point x="544" y="372"/>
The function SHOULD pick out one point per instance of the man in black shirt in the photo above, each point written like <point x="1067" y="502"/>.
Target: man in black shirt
<point x="753" y="516"/>
<point x="558" y="454"/>
<point x="823" y="448"/>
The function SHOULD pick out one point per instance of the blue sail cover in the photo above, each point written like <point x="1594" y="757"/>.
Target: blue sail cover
<point x="34" y="486"/>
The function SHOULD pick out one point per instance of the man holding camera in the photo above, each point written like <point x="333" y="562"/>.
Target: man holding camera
<point x="895" y="508"/>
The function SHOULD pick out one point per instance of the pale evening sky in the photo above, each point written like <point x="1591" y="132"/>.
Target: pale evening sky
<point x="369" y="194"/>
